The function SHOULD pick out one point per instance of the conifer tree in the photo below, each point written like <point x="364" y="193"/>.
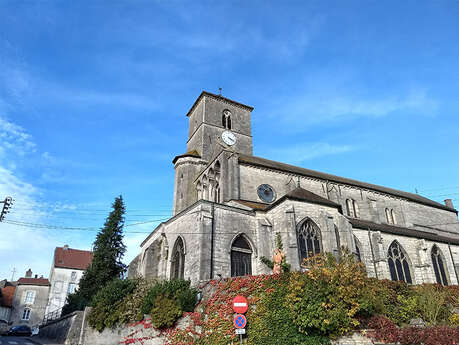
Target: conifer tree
<point x="106" y="265"/>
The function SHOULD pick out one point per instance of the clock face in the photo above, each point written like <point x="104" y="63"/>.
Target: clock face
<point x="229" y="138"/>
<point x="266" y="193"/>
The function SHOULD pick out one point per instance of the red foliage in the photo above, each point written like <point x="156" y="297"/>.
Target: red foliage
<point x="386" y="331"/>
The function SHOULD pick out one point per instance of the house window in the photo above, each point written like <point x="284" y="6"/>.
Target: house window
<point x="26" y="314"/>
<point x="73" y="276"/>
<point x="352" y="208"/>
<point x="71" y="288"/>
<point x="241" y="257"/>
<point x="30" y="297"/>
<point x="178" y="260"/>
<point x="390" y="216"/>
<point x="226" y="119"/>
<point x="398" y="263"/>
<point x="308" y="238"/>
<point x="439" y="266"/>
<point x="58" y="286"/>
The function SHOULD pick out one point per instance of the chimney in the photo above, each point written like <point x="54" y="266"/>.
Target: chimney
<point x="36" y="276"/>
<point x="28" y="274"/>
<point x="449" y="203"/>
<point x="41" y="277"/>
<point x="66" y="246"/>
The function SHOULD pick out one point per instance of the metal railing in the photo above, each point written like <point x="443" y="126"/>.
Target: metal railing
<point x="54" y="315"/>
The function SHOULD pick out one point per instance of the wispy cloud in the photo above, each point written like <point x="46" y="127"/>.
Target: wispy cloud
<point x="297" y="154"/>
<point x="328" y="107"/>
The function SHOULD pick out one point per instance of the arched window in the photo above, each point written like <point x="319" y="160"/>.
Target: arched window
<point x="178" y="260"/>
<point x="439" y="266"/>
<point x="390" y="216"/>
<point x="241" y="257"/>
<point x="226" y="119"/>
<point x="308" y="237"/>
<point x="398" y="263"/>
<point x="352" y="208"/>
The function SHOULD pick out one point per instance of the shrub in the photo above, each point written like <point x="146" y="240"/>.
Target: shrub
<point x="165" y="312"/>
<point x="329" y="297"/>
<point x="431" y="303"/>
<point x="107" y="301"/>
<point x="272" y="323"/>
<point x="73" y="303"/>
<point x="177" y="289"/>
<point x="130" y="308"/>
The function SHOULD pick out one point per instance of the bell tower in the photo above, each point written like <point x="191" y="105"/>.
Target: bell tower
<point x="217" y="123"/>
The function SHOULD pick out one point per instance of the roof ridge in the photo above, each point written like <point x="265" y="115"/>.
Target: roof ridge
<point x="254" y="160"/>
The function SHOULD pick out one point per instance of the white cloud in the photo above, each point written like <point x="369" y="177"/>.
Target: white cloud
<point x="300" y="153"/>
<point x="14" y="139"/>
<point x="326" y="106"/>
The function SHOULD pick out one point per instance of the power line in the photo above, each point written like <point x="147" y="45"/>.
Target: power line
<point x="447" y="194"/>
<point x="434" y="189"/>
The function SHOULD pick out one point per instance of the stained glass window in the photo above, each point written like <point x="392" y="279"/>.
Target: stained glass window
<point x="398" y="263"/>
<point x="308" y="237"/>
<point x="439" y="266"/>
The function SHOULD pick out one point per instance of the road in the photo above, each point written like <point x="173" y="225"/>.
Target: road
<point x="16" y="341"/>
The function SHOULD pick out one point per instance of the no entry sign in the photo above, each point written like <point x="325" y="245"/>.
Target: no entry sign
<point x="240" y="304"/>
<point x="239" y="321"/>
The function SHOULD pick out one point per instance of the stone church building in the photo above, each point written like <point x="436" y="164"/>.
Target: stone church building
<point x="229" y="206"/>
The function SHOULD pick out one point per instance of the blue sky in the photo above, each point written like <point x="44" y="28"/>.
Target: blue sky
<point x="93" y="97"/>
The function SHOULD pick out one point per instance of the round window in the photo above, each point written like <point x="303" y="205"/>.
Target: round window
<point x="266" y="193"/>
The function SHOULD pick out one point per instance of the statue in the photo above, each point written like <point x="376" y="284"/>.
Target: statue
<point x="278" y="258"/>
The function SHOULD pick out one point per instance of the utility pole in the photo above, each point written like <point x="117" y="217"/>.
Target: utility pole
<point x="6" y="207"/>
<point x="12" y="273"/>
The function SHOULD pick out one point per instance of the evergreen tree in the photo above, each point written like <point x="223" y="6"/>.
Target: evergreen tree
<point x="106" y="265"/>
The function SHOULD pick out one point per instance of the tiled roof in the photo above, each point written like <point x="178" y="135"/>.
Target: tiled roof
<point x="193" y="153"/>
<point x="266" y="163"/>
<point x="252" y="204"/>
<point x="298" y="193"/>
<point x="302" y="194"/>
<point x="72" y="258"/>
<point x="33" y="281"/>
<point x="398" y="230"/>
<point x="7" y="296"/>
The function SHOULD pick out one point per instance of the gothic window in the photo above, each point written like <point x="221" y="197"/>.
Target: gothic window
<point x="398" y="263"/>
<point x="338" y="240"/>
<point x="352" y="208"/>
<point x="390" y="216"/>
<point x="226" y="119"/>
<point x="308" y="237"/>
<point x="241" y="257"/>
<point x="178" y="260"/>
<point x="439" y="266"/>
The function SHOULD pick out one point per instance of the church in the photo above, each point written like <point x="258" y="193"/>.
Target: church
<point x="229" y="207"/>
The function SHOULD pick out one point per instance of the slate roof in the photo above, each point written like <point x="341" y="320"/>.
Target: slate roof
<point x="266" y="163"/>
<point x="72" y="258"/>
<point x="33" y="281"/>
<point x="398" y="230"/>
<point x="7" y="296"/>
<point x="218" y="97"/>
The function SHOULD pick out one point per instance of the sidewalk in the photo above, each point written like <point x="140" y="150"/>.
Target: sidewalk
<point x="41" y="341"/>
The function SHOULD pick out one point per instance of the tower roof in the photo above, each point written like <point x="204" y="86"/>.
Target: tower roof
<point x="219" y="98"/>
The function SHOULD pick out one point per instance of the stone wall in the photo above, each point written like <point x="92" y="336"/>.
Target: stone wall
<point x="65" y="330"/>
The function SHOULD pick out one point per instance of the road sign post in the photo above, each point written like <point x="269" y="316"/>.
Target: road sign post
<point x="240" y="306"/>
